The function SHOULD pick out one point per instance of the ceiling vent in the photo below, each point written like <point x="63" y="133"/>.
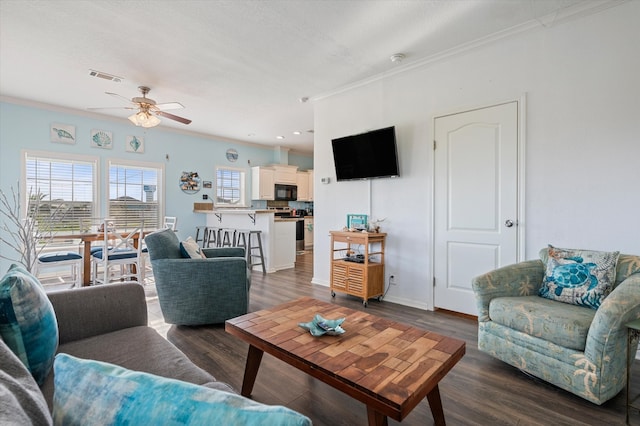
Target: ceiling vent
<point x="104" y="75"/>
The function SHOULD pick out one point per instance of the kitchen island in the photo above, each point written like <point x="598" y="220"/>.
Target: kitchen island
<point x="278" y="234"/>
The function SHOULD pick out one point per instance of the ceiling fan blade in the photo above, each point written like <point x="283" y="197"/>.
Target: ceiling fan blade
<point x="99" y="108"/>
<point x="173" y="117"/>
<point x="169" y="105"/>
<point x="115" y="95"/>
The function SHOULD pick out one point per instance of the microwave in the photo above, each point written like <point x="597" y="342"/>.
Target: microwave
<point x="286" y="192"/>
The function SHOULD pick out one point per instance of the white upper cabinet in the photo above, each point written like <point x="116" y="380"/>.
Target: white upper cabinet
<point x="262" y="183"/>
<point x="310" y="185"/>
<point x="285" y="174"/>
<point x="303" y="186"/>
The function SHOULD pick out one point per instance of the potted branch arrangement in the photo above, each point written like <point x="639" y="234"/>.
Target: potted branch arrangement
<point x="20" y="232"/>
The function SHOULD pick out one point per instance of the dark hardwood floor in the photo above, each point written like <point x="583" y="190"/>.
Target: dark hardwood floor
<point x="480" y="390"/>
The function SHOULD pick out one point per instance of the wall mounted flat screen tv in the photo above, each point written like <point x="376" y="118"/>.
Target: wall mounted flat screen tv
<point x="367" y="155"/>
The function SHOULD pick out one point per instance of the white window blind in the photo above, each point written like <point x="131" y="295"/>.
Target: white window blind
<point x="134" y="195"/>
<point x="230" y="187"/>
<point x="61" y="192"/>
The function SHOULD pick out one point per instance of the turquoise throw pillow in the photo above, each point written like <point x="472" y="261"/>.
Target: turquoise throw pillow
<point x="86" y="390"/>
<point x="579" y="277"/>
<point x="27" y="321"/>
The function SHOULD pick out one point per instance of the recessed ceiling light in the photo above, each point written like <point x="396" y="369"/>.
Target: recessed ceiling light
<point x="279" y="137"/>
<point x="304" y="99"/>
<point x="297" y="132"/>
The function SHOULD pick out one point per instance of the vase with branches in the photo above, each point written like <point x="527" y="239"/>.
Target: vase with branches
<point x="20" y="232"/>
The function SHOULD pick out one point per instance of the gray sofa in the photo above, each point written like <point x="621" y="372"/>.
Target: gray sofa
<point x="105" y="323"/>
<point x="109" y="323"/>
<point x="104" y="354"/>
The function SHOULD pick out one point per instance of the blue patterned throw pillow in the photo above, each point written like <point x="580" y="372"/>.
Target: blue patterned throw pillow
<point x="579" y="277"/>
<point x="27" y="321"/>
<point x="86" y="390"/>
<point x="190" y="249"/>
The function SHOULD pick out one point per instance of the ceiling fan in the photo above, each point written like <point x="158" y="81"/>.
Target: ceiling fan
<point x="148" y="109"/>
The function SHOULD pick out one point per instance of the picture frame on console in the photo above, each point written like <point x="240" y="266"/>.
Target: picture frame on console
<point x="357" y="222"/>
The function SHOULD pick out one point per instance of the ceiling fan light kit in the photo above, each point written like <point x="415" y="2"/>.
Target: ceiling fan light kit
<point x="144" y="119"/>
<point x="148" y="109"/>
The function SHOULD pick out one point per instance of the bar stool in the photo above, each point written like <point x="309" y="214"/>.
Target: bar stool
<point x="251" y="255"/>
<point x="240" y="239"/>
<point x="205" y="235"/>
<point x="213" y="237"/>
<point x="226" y="237"/>
<point x="244" y="239"/>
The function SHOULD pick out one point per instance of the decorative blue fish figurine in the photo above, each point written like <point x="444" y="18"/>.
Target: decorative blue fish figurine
<point x="319" y="326"/>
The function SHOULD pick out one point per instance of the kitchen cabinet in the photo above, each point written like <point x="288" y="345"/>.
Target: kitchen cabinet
<point x="285" y="174"/>
<point x="308" y="232"/>
<point x="311" y="183"/>
<point x="262" y="183"/>
<point x="284" y="253"/>
<point x="366" y="279"/>
<point x="303" y="186"/>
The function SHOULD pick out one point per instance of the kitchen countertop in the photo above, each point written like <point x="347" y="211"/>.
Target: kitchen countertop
<point x="253" y="211"/>
<point x="235" y="211"/>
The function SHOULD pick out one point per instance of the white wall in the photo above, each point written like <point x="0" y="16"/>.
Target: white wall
<point x="582" y="142"/>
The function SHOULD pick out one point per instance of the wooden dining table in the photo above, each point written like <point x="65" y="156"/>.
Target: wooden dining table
<point x="87" y="238"/>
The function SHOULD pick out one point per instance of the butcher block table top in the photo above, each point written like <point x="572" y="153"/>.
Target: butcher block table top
<point x="389" y="366"/>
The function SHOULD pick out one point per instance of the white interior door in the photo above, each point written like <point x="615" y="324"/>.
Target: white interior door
<point x="476" y="200"/>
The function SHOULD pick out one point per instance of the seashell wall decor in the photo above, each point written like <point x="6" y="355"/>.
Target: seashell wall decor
<point x="101" y="139"/>
<point x="135" y="144"/>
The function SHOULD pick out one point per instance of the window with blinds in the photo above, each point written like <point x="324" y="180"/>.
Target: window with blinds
<point x="135" y="195"/>
<point x="230" y="187"/>
<point x="60" y="192"/>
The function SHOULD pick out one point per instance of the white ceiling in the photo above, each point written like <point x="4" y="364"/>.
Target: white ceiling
<point x="240" y="67"/>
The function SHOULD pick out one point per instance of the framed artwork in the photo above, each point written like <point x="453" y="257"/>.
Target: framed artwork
<point x="63" y="133"/>
<point x="357" y="221"/>
<point x="135" y="144"/>
<point x="190" y="182"/>
<point x="101" y="139"/>
<point x="207" y="184"/>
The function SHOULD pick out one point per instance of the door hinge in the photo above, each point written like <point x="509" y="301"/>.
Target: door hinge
<point x="434" y="281"/>
<point x="434" y="144"/>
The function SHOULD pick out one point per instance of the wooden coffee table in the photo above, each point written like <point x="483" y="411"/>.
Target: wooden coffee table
<point x="388" y="366"/>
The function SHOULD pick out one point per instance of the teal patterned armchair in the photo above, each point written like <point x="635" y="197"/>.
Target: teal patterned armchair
<point x="198" y="291"/>
<point x="576" y="348"/>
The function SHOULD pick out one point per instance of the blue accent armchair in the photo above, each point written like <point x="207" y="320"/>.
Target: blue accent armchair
<point x="576" y="348"/>
<point x="198" y="291"/>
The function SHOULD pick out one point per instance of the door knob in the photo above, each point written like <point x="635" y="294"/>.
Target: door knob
<point x="508" y="223"/>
